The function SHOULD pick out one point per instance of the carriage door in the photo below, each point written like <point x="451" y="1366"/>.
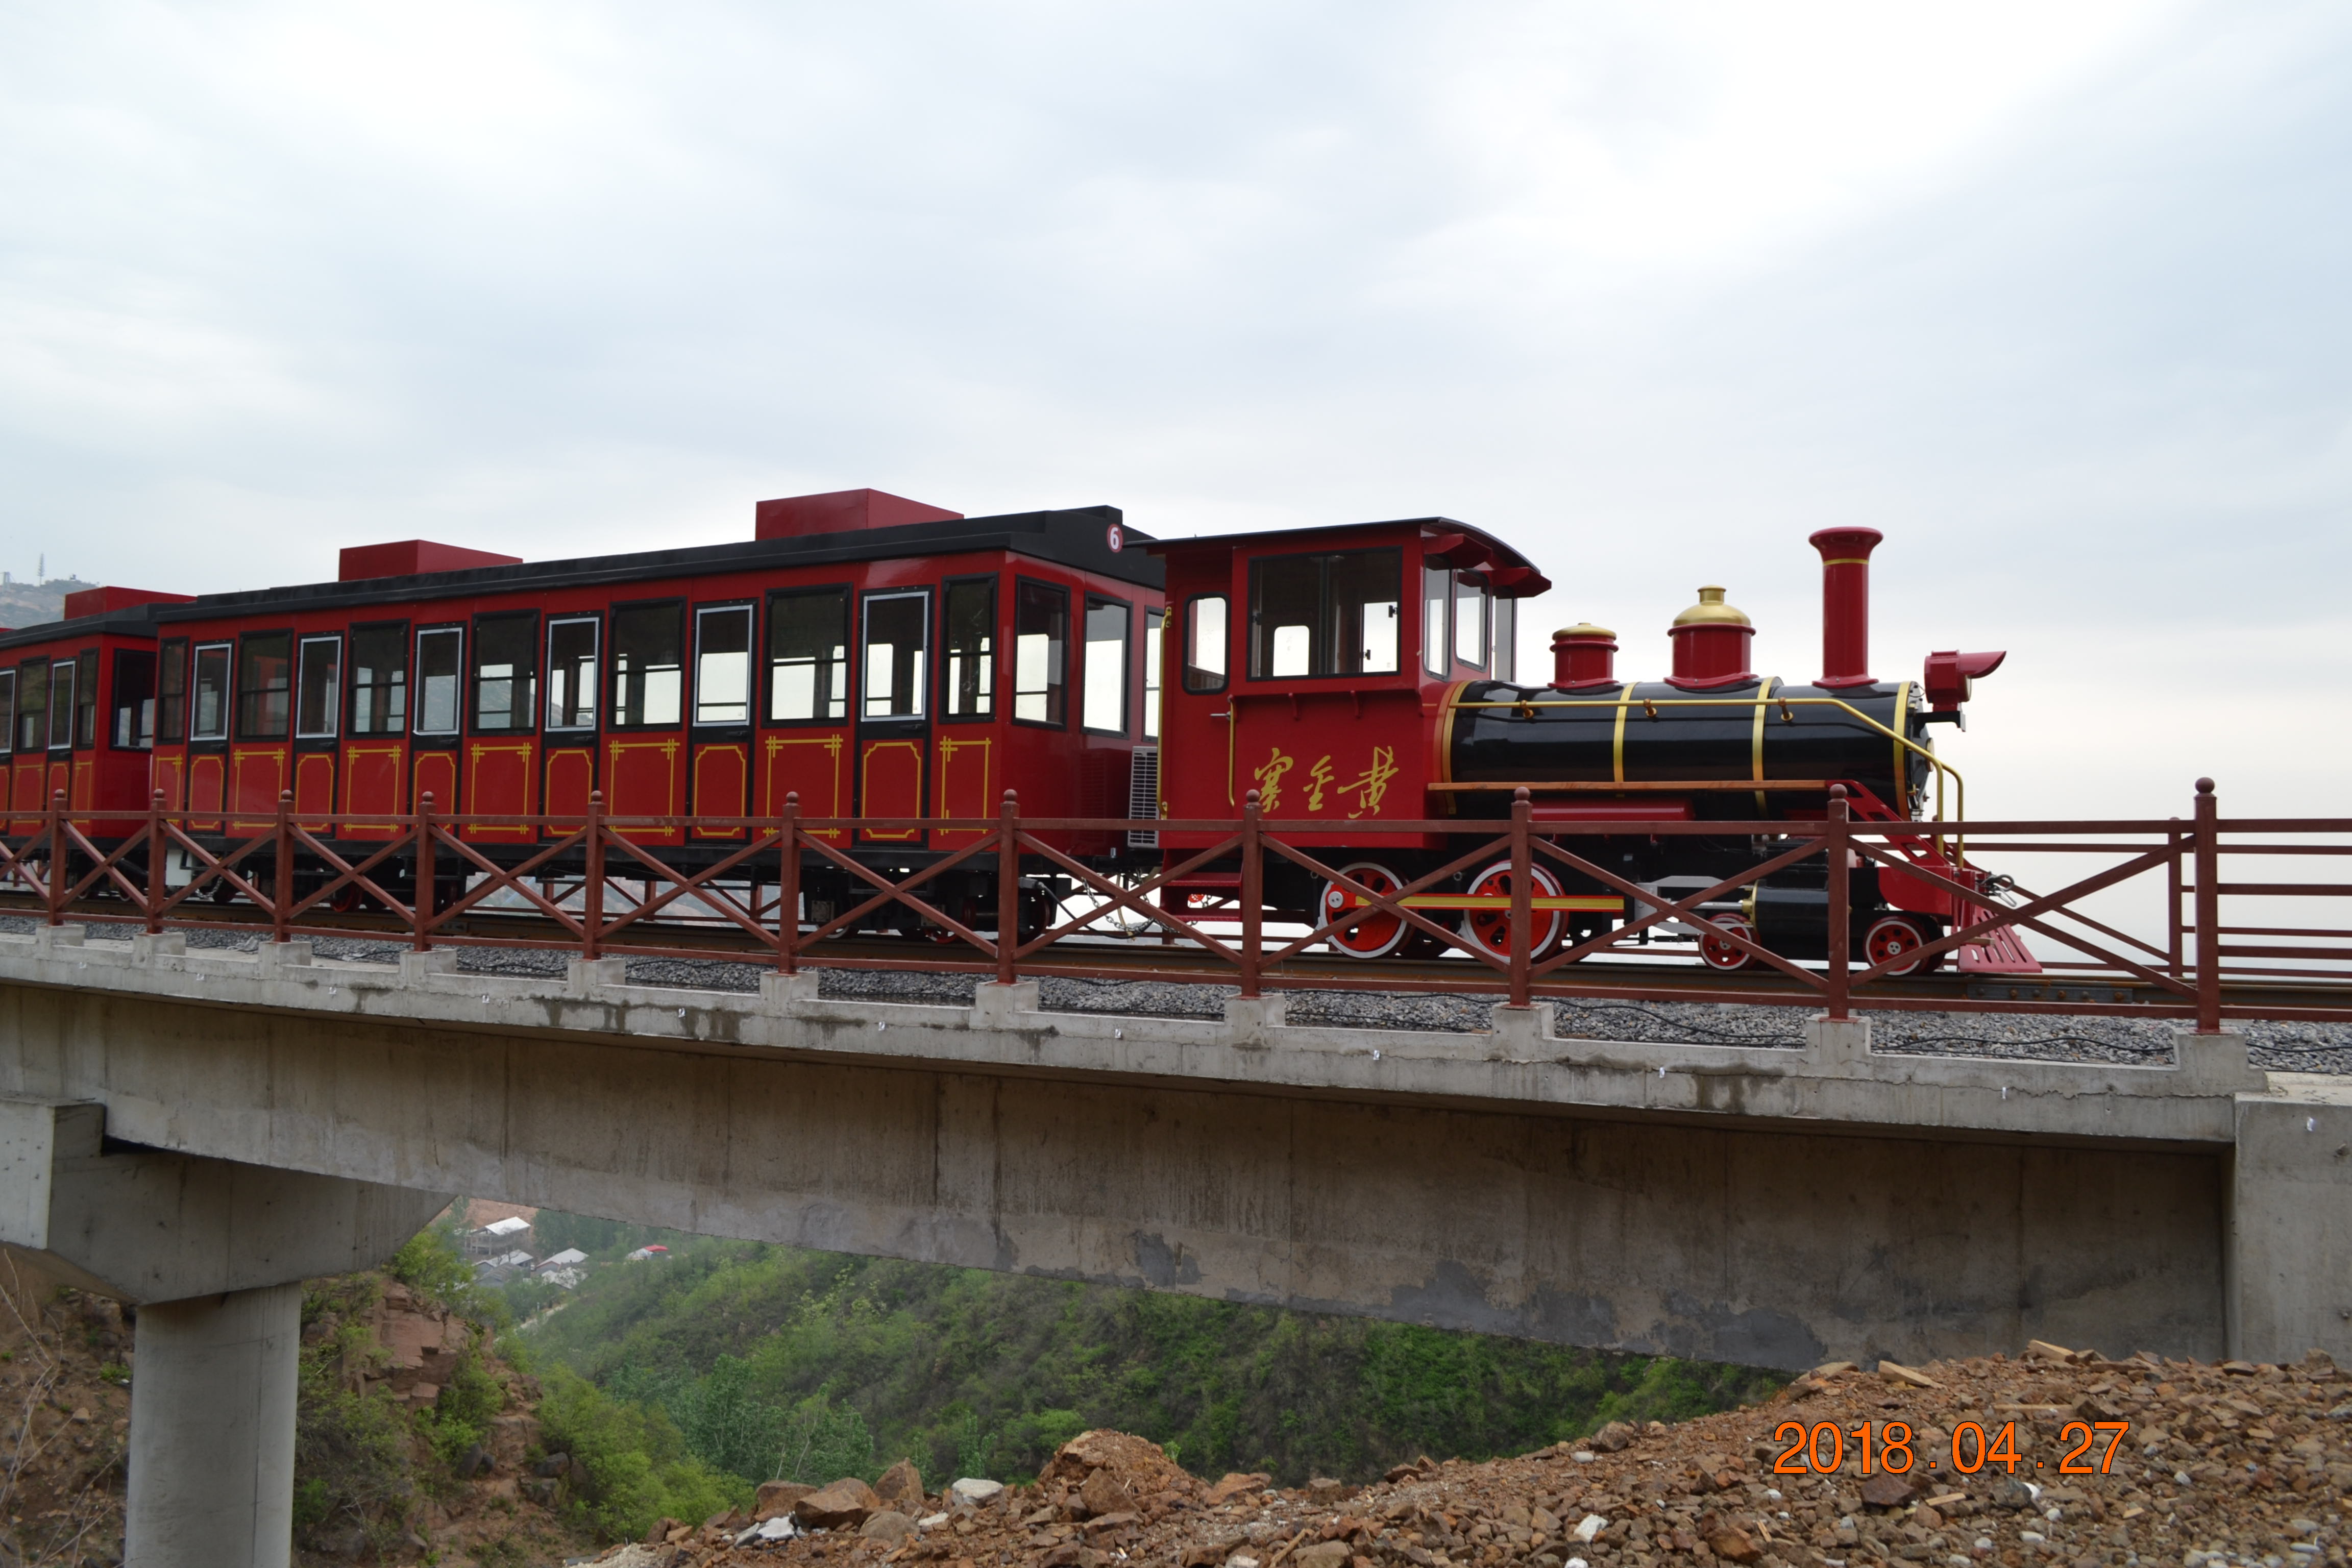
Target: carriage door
<point x="805" y="740"/>
<point x="645" y="759"/>
<point x="968" y="770"/>
<point x="893" y="728"/>
<point x="720" y="775"/>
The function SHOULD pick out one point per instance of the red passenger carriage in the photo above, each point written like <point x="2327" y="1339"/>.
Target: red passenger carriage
<point x="78" y="710"/>
<point x="873" y="655"/>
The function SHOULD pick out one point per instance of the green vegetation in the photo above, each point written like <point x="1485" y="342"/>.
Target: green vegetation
<point x="766" y="1361"/>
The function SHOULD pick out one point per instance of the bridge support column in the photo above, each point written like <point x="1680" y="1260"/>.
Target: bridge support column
<point x="212" y="1429"/>
<point x="213" y="1253"/>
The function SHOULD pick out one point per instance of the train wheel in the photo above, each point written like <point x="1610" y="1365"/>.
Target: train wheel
<point x="1892" y="936"/>
<point x="1724" y="955"/>
<point x="1489" y="930"/>
<point x="1374" y="936"/>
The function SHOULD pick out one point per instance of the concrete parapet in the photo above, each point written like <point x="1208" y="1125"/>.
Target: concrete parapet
<point x="998" y="1007"/>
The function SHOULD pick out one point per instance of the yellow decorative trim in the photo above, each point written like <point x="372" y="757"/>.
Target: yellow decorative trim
<point x="833" y="744"/>
<point x="1755" y="744"/>
<point x="865" y="775"/>
<point x="395" y="750"/>
<point x="742" y="755"/>
<point x="1617" y="744"/>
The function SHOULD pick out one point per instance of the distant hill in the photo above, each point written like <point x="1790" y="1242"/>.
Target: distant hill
<point x="30" y="603"/>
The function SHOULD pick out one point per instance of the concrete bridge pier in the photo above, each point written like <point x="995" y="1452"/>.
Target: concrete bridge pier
<point x="213" y="1253"/>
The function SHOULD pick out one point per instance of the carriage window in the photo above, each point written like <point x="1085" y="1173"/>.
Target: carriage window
<point x="1436" y="597"/>
<point x="808" y="655"/>
<point x="132" y="724"/>
<point x="439" y="663"/>
<point x="969" y="634"/>
<point x="33" y="705"/>
<point x="61" y="702"/>
<point x="722" y="664"/>
<point x="506" y="671"/>
<point x="1041" y="640"/>
<point x="649" y="666"/>
<point x="7" y="711"/>
<point x="1325" y="614"/>
<point x="379" y="680"/>
<point x="893" y="685"/>
<point x="572" y="674"/>
<point x="85" y="698"/>
<point x="1469" y="620"/>
<point x="1105" y="704"/>
<point x="1507" y="639"/>
<point x="208" y="718"/>
<point x="1204" y="644"/>
<point x="265" y="687"/>
<point x="319" y="681"/>
<point x="1153" y="620"/>
<point x="172" y="694"/>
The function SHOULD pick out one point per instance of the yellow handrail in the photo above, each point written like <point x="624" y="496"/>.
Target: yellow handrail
<point x="1959" y="784"/>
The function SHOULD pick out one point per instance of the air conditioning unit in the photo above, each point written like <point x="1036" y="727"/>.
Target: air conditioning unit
<point x="1143" y="796"/>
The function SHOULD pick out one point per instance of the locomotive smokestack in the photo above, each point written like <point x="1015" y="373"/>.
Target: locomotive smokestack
<point x="1845" y="604"/>
<point x="1583" y="655"/>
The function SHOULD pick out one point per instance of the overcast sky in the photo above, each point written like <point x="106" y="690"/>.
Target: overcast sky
<point x="2054" y="294"/>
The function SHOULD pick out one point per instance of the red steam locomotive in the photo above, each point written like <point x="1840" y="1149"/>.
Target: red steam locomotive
<point x="887" y="661"/>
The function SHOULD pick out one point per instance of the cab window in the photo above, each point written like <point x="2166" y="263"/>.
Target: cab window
<point x="1470" y="633"/>
<point x="1204" y="643"/>
<point x="1324" y="614"/>
<point x="1505" y="615"/>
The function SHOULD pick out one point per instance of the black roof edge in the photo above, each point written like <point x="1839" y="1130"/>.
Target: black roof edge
<point x="1081" y="541"/>
<point x="137" y="621"/>
<point x="1518" y="558"/>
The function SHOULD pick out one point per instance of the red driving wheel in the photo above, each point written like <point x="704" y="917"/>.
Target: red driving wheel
<point x="1489" y="930"/>
<point x="1376" y="935"/>
<point x="1890" y="937"/>
<point x="1721" y="955"/>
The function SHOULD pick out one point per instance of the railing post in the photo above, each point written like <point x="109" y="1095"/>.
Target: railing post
<point x="421" y="911"/>
<point x="1252" y="894"/>
<point x="1840" y="932"/>
<point x="155" y="884"/>
<point x="591" y="888"/>
<point x="2172" y="943"/>
<point x="2209" y="911"/>
<point x="281" y="890"/>
<point x="60" y="864"/>
<point x="1008" y="886"/>
<point x="788" y="889"/>
<point x="1522" y="922"/>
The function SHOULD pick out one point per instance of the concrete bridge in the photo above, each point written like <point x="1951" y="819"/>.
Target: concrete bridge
<point x="197" y="1131"/>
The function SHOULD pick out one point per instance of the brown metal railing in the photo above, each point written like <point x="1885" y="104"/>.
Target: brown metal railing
<point x="104" y="866"/>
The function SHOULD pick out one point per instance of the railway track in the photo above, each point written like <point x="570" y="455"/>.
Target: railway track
<point x="1672" y="976"/>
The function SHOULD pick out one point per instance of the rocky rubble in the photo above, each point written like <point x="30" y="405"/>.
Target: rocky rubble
<point x="2216" y="1466"/>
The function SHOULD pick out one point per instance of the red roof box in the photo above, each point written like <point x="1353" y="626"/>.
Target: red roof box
<point x="841" y="511"/>
<point x="103" y="601"/>
<point x="407" y="557"/>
